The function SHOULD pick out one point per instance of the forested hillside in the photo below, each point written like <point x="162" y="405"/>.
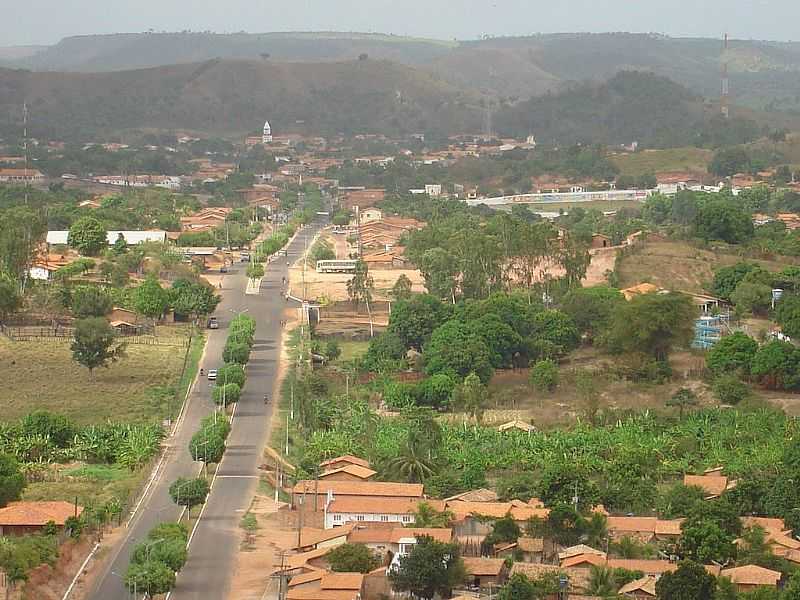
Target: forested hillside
<point x="632" y="106"/>
<point x="763" y="74"/>
<point x="234" y="97"/>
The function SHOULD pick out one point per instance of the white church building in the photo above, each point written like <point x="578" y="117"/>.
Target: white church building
<point x="266" y="137"/>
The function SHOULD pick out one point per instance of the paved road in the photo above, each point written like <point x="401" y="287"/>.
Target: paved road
<point x="215" y="545"/>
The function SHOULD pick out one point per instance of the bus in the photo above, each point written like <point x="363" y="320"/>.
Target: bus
<point x="336" y="266"/>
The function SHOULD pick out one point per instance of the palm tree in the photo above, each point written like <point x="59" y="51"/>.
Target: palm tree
<point x="601" y="581"/>
<point x="411" y="465"/>
<point x="427" y="516"/>
<point x="596" y="530"/>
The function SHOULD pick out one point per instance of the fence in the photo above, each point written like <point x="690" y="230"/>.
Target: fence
<point x="61" y="334"/>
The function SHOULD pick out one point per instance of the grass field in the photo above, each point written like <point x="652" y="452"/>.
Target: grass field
<point x="351" y="350"/>
<point x="140" y="387"/>
<point x="659" y="161"/>
<point x="567" y="206"/>
<point x="679" y="266"/>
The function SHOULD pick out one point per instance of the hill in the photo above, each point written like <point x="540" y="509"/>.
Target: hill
<point x="631" y="106"/>
<point x="763" y="74"/>
<point x="126" y="51"/>
<point x="234" y="97"/>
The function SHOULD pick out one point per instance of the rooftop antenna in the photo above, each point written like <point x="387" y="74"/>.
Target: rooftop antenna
<point x="724" y="105"/>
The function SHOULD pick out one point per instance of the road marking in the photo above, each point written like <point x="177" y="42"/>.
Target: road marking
<point x="237" y="476"/>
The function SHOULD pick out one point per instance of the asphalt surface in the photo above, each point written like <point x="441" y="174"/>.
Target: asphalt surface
<point x="215" y="544"/>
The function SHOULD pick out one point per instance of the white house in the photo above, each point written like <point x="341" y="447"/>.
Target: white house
<point x="342" y="510"/>
<point x="434" y="190"/>
<point x="132" y="238"/>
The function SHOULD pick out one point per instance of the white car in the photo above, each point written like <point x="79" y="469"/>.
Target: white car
<point x="212" y="374"/>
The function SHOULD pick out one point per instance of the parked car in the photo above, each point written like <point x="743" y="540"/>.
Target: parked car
<point x="213" y="323"/>
<point x="212" y="374"/>
<point x="244" y="257"/>
<point x="223" y="269"/>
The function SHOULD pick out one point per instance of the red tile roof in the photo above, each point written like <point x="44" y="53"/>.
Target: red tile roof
<point x="32" y="514"/>
<point x="359" y="488"/>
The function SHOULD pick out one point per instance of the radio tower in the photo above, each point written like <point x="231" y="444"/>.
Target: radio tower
<point x="25" y="144"/>
<point x="724" y="106"/>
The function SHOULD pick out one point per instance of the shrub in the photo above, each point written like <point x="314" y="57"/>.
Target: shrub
<point x="227" y="394"/>
<point x="544" y="375"/>
<point x="236" y="352"/>
<point x="232" y="373"/>
<point x="730" y="390"/>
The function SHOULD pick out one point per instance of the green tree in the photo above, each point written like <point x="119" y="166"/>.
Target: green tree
<point x="730" y="161"/>
<point x="591" y="308"/>
<point x="88" y="236"/>
<point x="557" y="328"/>
<point x="153" y="577"/>
<point x="231" y="373"/>
<point x="471" y="396"/>
<point x="733" y="353"/>
<point x="776" y="365"/>
<point x="520" y="587"/>
<point x="361" y="285"/>
<point x="226" y="394"/>
<point x="91" y="301"/>
<point x="560" y="482"/>
<point x="682" y="399"/>
<point x="456" y="350"/>
<point x="21" y="228"/>
<point x="787" y="314"/>
<point x="189" y="492"/>
<point x="412" y="464"/>
<point x="236" y="352"/>
<point x="653" y="324"/>
<point x="255" y="270"/>
<point x="440" y="270"/>
<point x="12" y="481"/>
<point x="564" y="524"/>
<point x="95" y="344"/>
<point x="169" y="551"/>
<point x="431" y="568"/>
<point x="720" y="218"/>
<point x="727" y="278"/>
<point x="401" y="290"/>
<point x="755" y="549"/>
<point x="426" y="516"/>
<point x="190" y="298"/>
<point x="704" y="541"/>
<point x="385" y="350"/>
<point x="120" y="245"/>
<point x="751" y="298"/>
<point x="353" y="558"/>
<point x="504" y="529"/>
<point x="729" y="389"/>
<point x="680" y="500"/>
<point x="10" y="298"/>
<point x="792" y="589"/>
<point x="437" y="390"/>
<point x="544" y="375"/>
<point x="150" y="299"/>
<point x="414" y="320"/>
<point x="690" y="581"/>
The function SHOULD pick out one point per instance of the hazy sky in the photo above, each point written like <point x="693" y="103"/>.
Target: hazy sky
<point x="46" y="21"/>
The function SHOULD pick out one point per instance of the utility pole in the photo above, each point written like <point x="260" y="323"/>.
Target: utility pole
<point x="724" y="101"/>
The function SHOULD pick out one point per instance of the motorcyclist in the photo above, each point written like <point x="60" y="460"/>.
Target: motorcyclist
<point x="266" y="399"/>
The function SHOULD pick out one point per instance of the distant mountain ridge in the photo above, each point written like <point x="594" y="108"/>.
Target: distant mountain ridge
<point x="763" y="74"/>
<point x="233" y="97"/>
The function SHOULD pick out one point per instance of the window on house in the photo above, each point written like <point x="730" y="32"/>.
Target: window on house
<point x="406" y="518"/>
<point x="359" y="517"/>
<point x="384" y="517"/>
<point x="337" y="517"/>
